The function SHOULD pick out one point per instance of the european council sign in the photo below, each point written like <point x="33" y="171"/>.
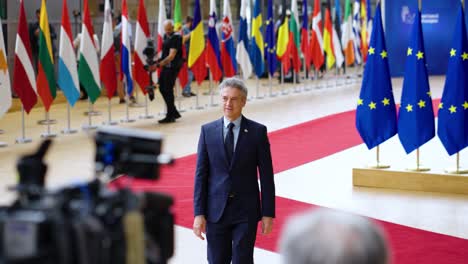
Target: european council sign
<point x="438" y="22"/>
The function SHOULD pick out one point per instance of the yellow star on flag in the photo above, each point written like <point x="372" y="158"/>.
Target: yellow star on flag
<point x="371" y="51"/>
<point x="420" y="55"/>
<point x="465" y="105"/>
<point x="422" y="103"/>
<point x="383" y="54"/>
<point x="453" y="52"/>
<point x="453" y="109"/>
<point x="441" y="105"/>
<point x="385" y="101"/>
<point x="372" y="105"/>
<point x="410" y="51"/>
<point x="429" y="93"/>
<point x="359" y="101"/>
<point x="409" y="108"/>
<point x="465" y="56"/>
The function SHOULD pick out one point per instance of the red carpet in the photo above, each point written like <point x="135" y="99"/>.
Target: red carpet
<point x="292" y="147"/>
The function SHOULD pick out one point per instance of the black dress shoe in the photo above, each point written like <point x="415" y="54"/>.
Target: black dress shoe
<point x="186" y="94"/>
<point x="177" y="115"/>
<point x="167" y="120"/>
<point x="193" y="94"/>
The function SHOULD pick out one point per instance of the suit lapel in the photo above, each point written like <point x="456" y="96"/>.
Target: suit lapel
<point x="220" y="139"/>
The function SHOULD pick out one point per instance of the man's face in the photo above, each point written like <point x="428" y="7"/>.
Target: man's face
<point x="168" y="28"/>
<point x="233" y="101"/>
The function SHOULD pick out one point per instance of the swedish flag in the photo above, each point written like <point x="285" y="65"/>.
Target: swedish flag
<point x="416" y="116"/>
<point x="453" y="107"/>
<point x="376" y="111"/>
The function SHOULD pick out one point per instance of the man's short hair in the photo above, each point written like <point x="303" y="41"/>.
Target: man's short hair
<point x="188" y="19"/>
<point x="234" y="82"/>
<point x="325" y="236"/>
<point x="168" y="21"/>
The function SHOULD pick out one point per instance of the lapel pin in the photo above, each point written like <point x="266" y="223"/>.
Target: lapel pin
<point x="245" y="130"/>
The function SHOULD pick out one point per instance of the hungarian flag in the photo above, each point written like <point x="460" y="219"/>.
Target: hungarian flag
<point x="5" y="89"/>
<point x="316" y="41"/>
<point x="196" y="58"/>
<point x="45" y="63"/>
<point x="107" y="66"/>
<point x="24" y="81"/>
<point x="142" y="34"/>
<point x="305" y="35"/>
<point x="67" y="71"/>
<point x="88" y="70"/>
<point x="228" y="50"/>
<point x="294" y="37"/>
<point x="213" y="54"/>
<point x="347" y="36"/>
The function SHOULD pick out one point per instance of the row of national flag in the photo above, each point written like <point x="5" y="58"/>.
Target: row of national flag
<point x="376" y="115"/>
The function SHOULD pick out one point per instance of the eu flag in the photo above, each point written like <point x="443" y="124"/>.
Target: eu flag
<point x="416" y="116"/>
<point x="257" y="46"/>
<point x="453" y="108"/>
<point x="270" y="48"/>
<point x="376" y="111"/>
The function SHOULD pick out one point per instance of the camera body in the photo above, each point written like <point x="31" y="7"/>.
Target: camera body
<point x="91" y="222"/>
<point x="150" y="53"/>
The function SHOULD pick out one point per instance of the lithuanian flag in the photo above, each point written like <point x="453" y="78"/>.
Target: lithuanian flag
<point x="45" y="68"/>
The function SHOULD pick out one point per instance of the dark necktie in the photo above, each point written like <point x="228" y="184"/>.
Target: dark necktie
<point x="229" y="142"/>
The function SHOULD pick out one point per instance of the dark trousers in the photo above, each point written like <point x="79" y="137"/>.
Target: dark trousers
<point x="167" y="80"/>
<point x="232" y="237"/>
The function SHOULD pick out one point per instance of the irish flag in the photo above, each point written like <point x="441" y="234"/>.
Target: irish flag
<point x="88" y="71"/>
<point x="24" y="81"/>
<point x="45" y="64"/>
<point x="107" y="66"/>
<point x="67" y="71"/>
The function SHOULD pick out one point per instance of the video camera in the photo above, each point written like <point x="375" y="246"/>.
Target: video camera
<point x="150" y="53"/>
<point x="91" y="223"/>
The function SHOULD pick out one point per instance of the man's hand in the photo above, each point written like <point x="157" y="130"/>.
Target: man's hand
<point x="267" y="225"/>
<point x="199" y="226"/>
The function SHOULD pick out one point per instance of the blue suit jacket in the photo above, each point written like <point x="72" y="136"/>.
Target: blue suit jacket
<point x="215" y="178"/>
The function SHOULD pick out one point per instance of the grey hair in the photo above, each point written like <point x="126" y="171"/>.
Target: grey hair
<point x="331" y="237"/>
<point x="168" y="21"/>
<point x="234" y="82"/>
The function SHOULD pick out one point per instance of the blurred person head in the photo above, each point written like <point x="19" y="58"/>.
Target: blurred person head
<point x="326" y="236"/>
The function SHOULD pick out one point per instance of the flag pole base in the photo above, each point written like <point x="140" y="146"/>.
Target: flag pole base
<point x="127" y="120"/>
<point x="89" y="127"/>
<point x="147" y="116"/>
<point x="378" y="166"/>
<point x="136" y="105"/>
<point x="3" y="144"/>
<point x="273" y="94"/>
<point x="23" y="140"/>
<point x="92" y="113"/>
<point x="456" y="171"/>
<point x="48" y="135"/>
<point x="69" y="131"/>
<point x="259" y="97"/>
<point x="47" y="122"/>
<point x="420" y="168"/>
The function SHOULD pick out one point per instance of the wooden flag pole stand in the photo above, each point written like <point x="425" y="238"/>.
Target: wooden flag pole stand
<point x="23" y="139"/>
<point x="457" y="169"/>
<point x="418" y="165"/>
<point x="90" y="125"/>
<point x="127" y="118"/>
<point x="69" y="130"/>
<point x="378" y="165"/>
<point x="109" y="115"/>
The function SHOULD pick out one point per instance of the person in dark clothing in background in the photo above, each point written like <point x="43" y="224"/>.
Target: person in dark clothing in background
<point x="34" y="30"/>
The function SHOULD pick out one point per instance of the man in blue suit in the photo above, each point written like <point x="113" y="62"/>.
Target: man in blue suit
<point x="227" y="200"/>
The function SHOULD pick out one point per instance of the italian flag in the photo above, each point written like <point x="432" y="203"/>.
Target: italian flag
<point x="88" y="70"/>
<point x="45" y="65"/>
